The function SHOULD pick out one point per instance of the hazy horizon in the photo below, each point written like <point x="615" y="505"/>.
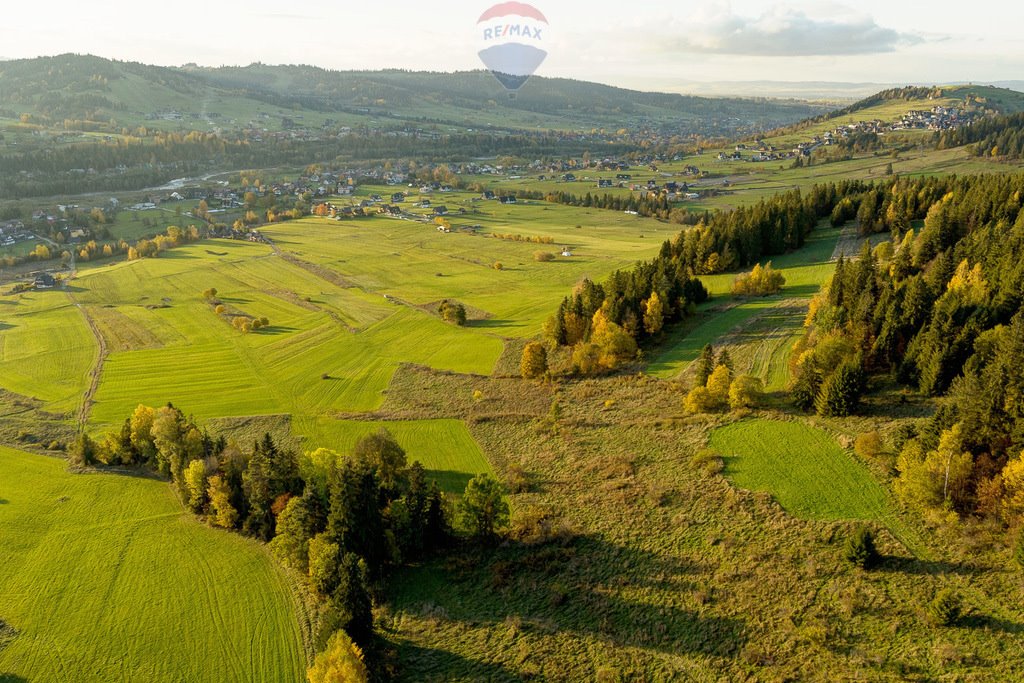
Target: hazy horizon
<point x="664" y="47"/>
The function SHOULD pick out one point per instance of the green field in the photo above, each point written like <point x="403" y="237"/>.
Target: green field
<point x="802" y="467"/>
<point x="167" y="343"/>
<point x="444" y="447"/>
<point x="106" y="578"/>
<point x="766" y="326"/>
<point x="46" y="348"/>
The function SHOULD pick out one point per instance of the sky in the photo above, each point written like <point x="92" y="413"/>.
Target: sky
<point x="656" y="44"/>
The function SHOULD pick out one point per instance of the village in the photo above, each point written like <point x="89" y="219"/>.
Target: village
<point x="939" y="118"/>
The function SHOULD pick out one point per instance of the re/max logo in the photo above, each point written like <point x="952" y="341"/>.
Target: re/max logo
<point x="512" y="30"/>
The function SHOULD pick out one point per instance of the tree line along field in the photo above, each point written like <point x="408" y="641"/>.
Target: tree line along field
<point x="761" y="329"/>
<point x="106" y="579"/>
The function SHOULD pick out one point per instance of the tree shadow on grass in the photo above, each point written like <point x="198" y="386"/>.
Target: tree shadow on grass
<point x="4" y="501"/>
<point x="573" y="585"/>
<point x="12" y="678"/>
<point x="490" y="323"/>
<point x="177" y="255"/>
<point x="431" y="664"/>
<point x="985" y="622"/>
<point x="914" y="566"/>
<point x="275" y="329"/>
<point x="801" y="290"/>
<point x="450" y="481"/>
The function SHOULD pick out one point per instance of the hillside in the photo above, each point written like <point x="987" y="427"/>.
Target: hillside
<point x="139" y="591"/>
<point x="91" y="88"/>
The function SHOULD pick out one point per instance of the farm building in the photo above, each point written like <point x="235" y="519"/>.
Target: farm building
<point x="44" y="281"/>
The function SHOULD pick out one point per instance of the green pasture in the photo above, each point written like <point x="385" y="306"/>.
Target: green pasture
<point x="106" y="578"/>
<point x="444" y="447"/>
<point x="46" y="348"/>
<point x="412" y="261"/>
<point x="328" y="348"/>
<point x="803" y="467"/>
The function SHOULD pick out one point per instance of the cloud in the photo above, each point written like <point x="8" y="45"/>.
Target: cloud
<point x="784" y="32"/>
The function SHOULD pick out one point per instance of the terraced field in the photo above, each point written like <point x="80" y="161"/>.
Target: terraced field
<point x="106" y="578"/>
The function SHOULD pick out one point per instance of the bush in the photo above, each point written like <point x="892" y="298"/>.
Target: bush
<point x="699" y="400"/>
<point x="869" y="445"/>
<point x="534" y="361"/>
<point x="517" y="479"/>
<point x="1018" y="550"/>
<point x="945" y="609"/>
<point x="758" y="282"/>
<point x="860" y="549"/>
<point x="745" y="392"/>
<point x="498" y="266"/>
<point x="543" y="256"/>
<point x="707" y="460"/>
<point x="452" y="312"/>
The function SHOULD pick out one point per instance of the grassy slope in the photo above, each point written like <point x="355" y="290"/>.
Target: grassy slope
<point x="805" y="270"/>
<point x="105" y="578"/>
<point x="803" y="467"/>
<point x="671" y="573"/>
<point x="46" y="348"/>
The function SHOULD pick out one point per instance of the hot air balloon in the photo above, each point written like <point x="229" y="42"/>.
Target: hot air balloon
<point x="513" y="35"/>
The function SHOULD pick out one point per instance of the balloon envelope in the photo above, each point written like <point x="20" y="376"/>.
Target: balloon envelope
<point x="512" y="42"/>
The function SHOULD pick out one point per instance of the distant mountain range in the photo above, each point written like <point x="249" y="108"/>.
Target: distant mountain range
<point x="82" y="87"/>
<point x="251" y="76"/>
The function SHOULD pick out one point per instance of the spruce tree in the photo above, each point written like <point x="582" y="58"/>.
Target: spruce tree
<point x="840" y="393"/>
<point x="705" y="365"/>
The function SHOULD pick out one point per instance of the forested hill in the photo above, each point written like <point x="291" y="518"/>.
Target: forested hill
<point x="473" y="90"/>
<point x="85" y="87"/>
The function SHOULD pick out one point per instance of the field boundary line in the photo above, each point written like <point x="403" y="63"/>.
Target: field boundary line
<point x="97" y="369"/>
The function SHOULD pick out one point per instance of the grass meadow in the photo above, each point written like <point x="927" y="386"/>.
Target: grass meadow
<point x="802" y="467"/>
<point x="107" y="578"/>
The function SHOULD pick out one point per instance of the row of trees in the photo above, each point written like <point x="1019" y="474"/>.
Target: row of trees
<point x="943" y="314"/>
<point x="633" y="306"/>
<point x="341" y="521"/>
<point x="605" y="323"/>
<point x="997" y="136"/>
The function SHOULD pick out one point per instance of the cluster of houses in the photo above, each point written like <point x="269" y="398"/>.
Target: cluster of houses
<point x="939" y="118"/>
<point x="44" y="281"/>
<point x="936" y="119"/>
<point x="12" y="232"/>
